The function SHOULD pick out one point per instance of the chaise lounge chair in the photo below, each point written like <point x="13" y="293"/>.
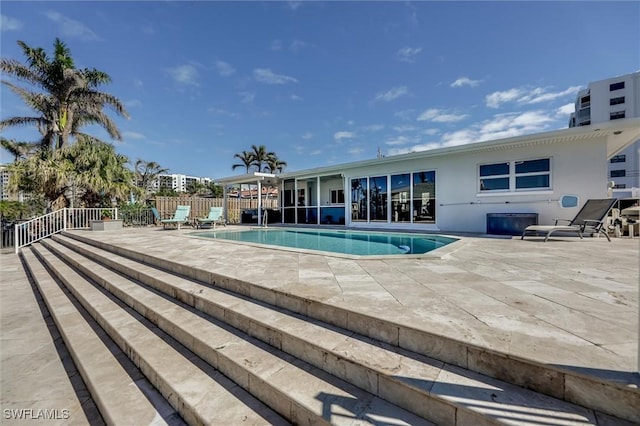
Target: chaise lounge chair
<point x="180" y="217"/>
<point x="214" y="217"/>
<point x="156" y="215"/>
<point x="591" y="218"/>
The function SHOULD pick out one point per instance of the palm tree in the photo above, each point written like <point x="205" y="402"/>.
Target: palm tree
<point x="246" y="160"/>
<point x="19" y="150"/>
<point x="89" y="170"/>
<point x="68" y="100"/>
<point x="146" y="173"/>
<point x="274" y="164"/>
<point x="195" y="188"/>
<point x="260" y="156"/>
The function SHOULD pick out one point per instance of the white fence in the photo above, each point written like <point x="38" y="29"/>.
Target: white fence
<point x="29" y="232"/>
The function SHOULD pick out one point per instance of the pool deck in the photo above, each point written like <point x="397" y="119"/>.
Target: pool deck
<point x="567" y="302"/>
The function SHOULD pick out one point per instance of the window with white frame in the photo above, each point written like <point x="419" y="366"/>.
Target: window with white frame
<point x="337" y="196"/>
<point x="511" y="176"/>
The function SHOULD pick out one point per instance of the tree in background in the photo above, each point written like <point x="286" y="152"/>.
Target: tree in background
<point x="68" y="98"/>
<point x="274" y="164"/>
<point x="246" y="160"/>
<point x="65" y="164"/>
<point x="19" y="150"/>
<point x="260" y="156"/>
<point x="89" y="172"/>
<point x="146" y="173"/>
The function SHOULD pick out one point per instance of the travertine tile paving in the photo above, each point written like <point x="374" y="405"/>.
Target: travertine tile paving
<point x="568" y="302"/>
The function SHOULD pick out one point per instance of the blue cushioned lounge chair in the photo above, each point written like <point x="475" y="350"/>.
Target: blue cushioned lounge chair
<point x="214" y="217"/>
<point x="180" y="217"/>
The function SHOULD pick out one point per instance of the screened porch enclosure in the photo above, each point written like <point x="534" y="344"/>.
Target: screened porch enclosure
<point x="404" y="198"/>
<point x="313" y="200"/>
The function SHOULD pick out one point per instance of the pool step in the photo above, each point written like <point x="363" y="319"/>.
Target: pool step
<point x="296" y="390"/>
<point x="423" y="385"/>
<point x="602" y="395"/>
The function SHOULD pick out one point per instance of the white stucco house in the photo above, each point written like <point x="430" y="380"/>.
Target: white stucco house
<point x="453" y="189"/>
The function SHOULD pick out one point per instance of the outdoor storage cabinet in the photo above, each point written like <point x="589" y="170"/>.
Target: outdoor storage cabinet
<point x="510" y="223"/>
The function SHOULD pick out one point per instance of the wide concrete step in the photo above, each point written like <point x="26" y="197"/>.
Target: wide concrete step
<point x="430" y="388"/>
<point x="177" y="381"/>
<point x="298" y="391"/>
<point x="578" y="387"/>
<point x="121" y="395"/>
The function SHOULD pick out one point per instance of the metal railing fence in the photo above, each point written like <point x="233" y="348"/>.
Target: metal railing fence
<point x="33" y="230"/>
<point x="137" y="217"/>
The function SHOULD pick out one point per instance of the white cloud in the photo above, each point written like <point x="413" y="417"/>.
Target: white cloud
<point x="297" y="45"/>
<point x="220" y="111"/>
<point x="71" y="28"/>
<point x="275" y="45"/>
<point x="465" y="81"/>
<point x="495" y="99"/>
<point x="527" y="96"/>
<point x="356" y="150"/>
<point x="373" y="128"/>
<point x="138" y="83"/>
<point x="133" y="103"/>
<point x="295" y="97"/>
<point x="408" y="54"/>
<point x="294" y="5"/>
<point x="498" y="127"/>
<point x="184" y="74"/>
<point x="132" y="135"/>
<point x="391" y="94"/>
<point x="307" y="135"/>
<point x="540" y="95"/>
<point x="566" y="110"/>
<point x="316" y="152"/>
<point x="9" y="24"/>
<point x="430" y="132"/>
<point x="404" y="128"/>
<point x="147" y="29"/>
<point x="344" y="135"/>
<point x="405" y="115"/>
<point x="265" y="75"/>
<point x="247" y="97"/>
<point x="440" y="116"/>
<point x="401" y="140"/>
<point x="224" y="69"/>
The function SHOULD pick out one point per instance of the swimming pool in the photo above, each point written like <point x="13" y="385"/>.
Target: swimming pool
<point x="358" y="243"/>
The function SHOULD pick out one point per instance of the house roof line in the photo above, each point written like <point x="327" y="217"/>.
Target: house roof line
<point x="618" y="134"/>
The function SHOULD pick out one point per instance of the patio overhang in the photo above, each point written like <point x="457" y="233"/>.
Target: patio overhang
<point x="256" y="178"/>
<point x="249" y="178"/>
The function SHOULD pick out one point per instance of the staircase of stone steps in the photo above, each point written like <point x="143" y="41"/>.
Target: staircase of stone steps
<point x="303" y="369"/>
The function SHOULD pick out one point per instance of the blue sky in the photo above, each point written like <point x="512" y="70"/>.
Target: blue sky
<point x="324" y="83"/>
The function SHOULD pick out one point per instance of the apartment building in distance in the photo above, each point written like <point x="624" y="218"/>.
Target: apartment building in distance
<point x="178" y="182"/>
<point x="613" y="99"/>
<point x="4" y="182"/>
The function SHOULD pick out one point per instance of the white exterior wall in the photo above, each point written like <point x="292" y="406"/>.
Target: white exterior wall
<point x="460" y="207"/>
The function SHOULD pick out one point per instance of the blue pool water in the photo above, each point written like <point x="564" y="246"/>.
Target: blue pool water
<point x="338" y="241"/>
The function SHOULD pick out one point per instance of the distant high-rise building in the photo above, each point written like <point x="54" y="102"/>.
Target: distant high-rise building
<point x="613" y="99"/>
<point x="178" y="182"/>
<point x="4" y="182"/>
